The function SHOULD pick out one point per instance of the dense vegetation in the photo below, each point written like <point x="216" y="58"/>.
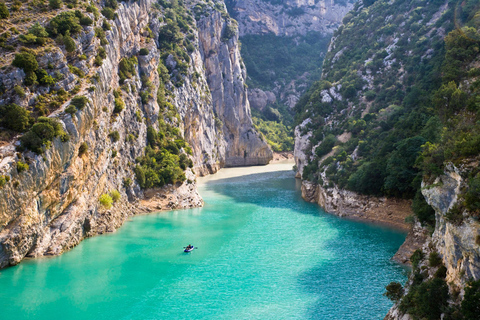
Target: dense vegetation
<point x="167" y="154"/>
<point x="272" y="63"/>
<point x="399" y="83"/>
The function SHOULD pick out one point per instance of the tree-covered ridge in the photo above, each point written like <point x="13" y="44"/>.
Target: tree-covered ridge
<point x="283" y="65"/>
<point x="379" y="82"/>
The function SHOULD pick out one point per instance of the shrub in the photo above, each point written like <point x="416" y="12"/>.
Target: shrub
<point x="79" y="102"/>
<point x="114" y="135"/>
<point x="69" y="43"/>
<point x="98" y="61"/>
<point x="229" y="32"/>
<point x="15" y="118"/>
<point x="55" y="4"/>
<point x="427" y="300"/>
<point x="106" y="201"/>
<point x="71" y="110"/>
<point x="126" y="68"/>
<point x="25" y="61"/>
<point x="102" y="53"/>
<point x="86" y="21"/>
<point x="394" y="291"/>
<point x="65" y="23"/>
<point x="77" y="72"/>
<point x="119" y="105"/>
<point x="19" y="91"/>
<point x="115" y="195"/>
<point x="144" y="52"/>
<point x="109" y="13"/>
<point x="471" y="300"/>
<point x="82" y="149"/>
<point x="140" y="176"/>
<point x="22" y="166"/>
<point x="4" y="180"/>
<point x="127" y="182"/>
<point x="42" y="133"/>
<point x="326" y="146"/>
<point x="434" y="259"/>
<point x="4" y="13"/>
<point x="416" y="257"/>
<point x="441" y="273"/>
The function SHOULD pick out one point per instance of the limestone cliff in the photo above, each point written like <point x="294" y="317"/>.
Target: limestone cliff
<point x="53" y="204"/>
<point x="289" y="17"/>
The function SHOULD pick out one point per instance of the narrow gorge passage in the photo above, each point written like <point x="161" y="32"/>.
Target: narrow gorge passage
<point x="263" y="253"/>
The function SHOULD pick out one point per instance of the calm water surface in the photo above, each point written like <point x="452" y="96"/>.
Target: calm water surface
<point x="263" y="253"/>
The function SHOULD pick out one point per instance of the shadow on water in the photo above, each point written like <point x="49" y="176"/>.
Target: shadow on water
<point x="363" y="268"/>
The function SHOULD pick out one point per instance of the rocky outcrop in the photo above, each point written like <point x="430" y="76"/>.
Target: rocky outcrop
<point x="344" y="203"/>
<point x="288" y="17"/>
<point x="226" y="79"/>
<point x="259" y="99"/>
<point x="53" y="205"/>
<point x="457" y="243"/>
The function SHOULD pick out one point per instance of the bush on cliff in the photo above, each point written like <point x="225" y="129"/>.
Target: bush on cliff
<point x="15" y="118"/>
<point x="42" y="133"/>
<point x="106" y="201"/>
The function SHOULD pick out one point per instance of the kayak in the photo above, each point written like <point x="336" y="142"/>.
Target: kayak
<point x="188" y="249"/>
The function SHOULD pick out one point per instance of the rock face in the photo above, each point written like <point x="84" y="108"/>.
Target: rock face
<point x="344" y="203"/>
<point x="226" y="78"/>
<point x="53" y="205"/>
<point x="288" y="17"/>
<point x="456" y="243"/>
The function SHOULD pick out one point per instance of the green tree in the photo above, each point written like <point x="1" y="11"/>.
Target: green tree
<point x="26" y="61"/>
<point x="4" y="13"/>
<point x="69" y="43"/>
<point x="471" y="301"/>
<point x="15" y="117"/>
<point x="55" y="4"/>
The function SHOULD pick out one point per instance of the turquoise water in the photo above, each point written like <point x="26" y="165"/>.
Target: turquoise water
<point x="263" y="253"/>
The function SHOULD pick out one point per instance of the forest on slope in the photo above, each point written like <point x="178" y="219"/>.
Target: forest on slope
<point x="401" y="80"/>
<point x="398" y="107"/>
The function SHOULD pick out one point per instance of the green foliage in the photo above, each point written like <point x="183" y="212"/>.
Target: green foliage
<point x="42" y="133"/>
<point x="65" y="23"/>
<point x="326" y="146"/>
<point x="229" y="32"/>
<point x="4" y="180"/>
<point x="109" y="13"/>
<point x="427" y="300"/>
<point x="277" y="135"/>
<point x="394" y="291"/>
<point x="55" y="4"/>
<point x="25" y="61"/>
<point x="471" y="301"/>
<point x="127" y="68"/>
<point x="416" y="257"/>
<point x="82" y="149"/>
<point x="4" y="13"/>
<point x="472" y="195"/>
<point x="119" y="105"/>
<point x="79" y="102"/>
<point x="434" y="259"/>
<point x="114" y="135"/>
<point x="271" y="59"/>
<point x="115" y="195"/>
<point x="106" y="201"/>
<point x="69" y="43"/>
<point x="143" y="52"/>
<point x="164" y="161"/>
<point x="22" y="166"/>
<point x="71" y="110"/>
<point x="15" y="118"/>
<point x="424" y="212"/>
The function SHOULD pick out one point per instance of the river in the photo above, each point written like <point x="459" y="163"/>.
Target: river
<point x="263" y="253"/>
